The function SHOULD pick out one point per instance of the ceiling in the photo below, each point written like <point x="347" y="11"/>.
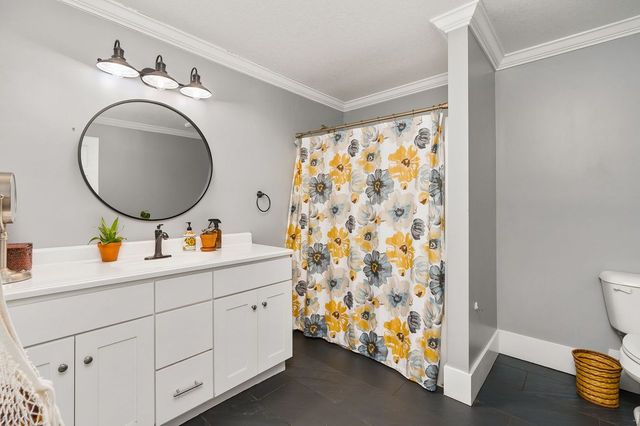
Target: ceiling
<point x="349" y="49"/>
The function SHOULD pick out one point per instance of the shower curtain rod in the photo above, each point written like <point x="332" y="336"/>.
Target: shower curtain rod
<point x="324" y="129"/>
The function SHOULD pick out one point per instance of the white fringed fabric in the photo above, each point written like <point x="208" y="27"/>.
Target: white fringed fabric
<point x="26" y="399"/>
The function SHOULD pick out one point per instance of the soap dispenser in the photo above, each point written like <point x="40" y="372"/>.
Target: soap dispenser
<point x="218" y="231"/>
<point x="189" y="243"/>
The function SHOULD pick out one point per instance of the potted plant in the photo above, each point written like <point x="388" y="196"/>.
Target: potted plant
<point x="109" y="239"/>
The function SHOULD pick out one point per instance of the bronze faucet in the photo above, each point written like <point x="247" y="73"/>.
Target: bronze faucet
<point x="159" y="236"/>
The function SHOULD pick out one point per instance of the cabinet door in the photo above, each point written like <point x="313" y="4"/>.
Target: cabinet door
<point x="55" y="362"/>
<point x="274" y="325"/>
<point x="235" y="340"/>
<point x="115" y="375"/>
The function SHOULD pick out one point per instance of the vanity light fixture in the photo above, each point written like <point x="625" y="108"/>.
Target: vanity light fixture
<point x="195" y="89"/>
<point x="117" y="65"/>
<point x="154" y="77"/>
<point x="158" y="77"/>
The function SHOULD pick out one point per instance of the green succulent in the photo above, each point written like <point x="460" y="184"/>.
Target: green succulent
<point x="108" y="234"/>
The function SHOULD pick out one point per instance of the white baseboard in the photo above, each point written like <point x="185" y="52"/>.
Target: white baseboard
<point x="550" y="355"/>
<point x="464" y="386"/>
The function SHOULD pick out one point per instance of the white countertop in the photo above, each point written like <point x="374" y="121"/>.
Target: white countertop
<point x="58" y="272"/>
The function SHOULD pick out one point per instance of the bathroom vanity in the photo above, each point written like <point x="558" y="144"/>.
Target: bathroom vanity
<point x="154" y="342"/>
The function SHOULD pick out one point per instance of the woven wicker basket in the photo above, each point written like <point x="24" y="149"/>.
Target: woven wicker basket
<point x="597" y="378"/>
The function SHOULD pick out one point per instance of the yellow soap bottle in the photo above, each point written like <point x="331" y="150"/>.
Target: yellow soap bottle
<point x="189" y="243"/>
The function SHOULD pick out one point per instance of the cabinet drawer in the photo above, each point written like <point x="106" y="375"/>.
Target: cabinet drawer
<point x="249" y="276"/>
<point x="183" y="386"/>
<point x="54" y="318"/>
<point x="183" y="290"/>
<point x="183" y="333"/>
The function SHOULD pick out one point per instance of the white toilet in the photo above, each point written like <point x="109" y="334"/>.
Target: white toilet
<point x="622" y="299"/>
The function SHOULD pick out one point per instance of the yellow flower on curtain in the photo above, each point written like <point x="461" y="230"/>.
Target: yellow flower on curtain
<point x="338" y="243"/>
<point x="340" y="169"/>
<point x="400" y="251"/>
<point x="404" y="165"/>
<point x="430" y="343"/>
<point x="369" y="159"/>
<point x="397" y="338"/>
<point x="294" y="237"/>
<point x="295" y="303"/>
<point x="336" y="317"/>
<point x="365" y="317"/>
<point x="297" y="176"/>
<point x="367" y="237"/>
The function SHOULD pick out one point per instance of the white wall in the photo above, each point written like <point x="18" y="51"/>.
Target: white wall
<point x="482" y="200"/>
<point x="50" y="88"/>
<point x="568" y="190"/>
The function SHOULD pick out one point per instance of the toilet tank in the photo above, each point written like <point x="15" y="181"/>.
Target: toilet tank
<point x="622" y="298"/>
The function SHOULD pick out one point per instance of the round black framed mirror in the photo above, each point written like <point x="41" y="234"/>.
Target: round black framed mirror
<point x="145" y="159"/>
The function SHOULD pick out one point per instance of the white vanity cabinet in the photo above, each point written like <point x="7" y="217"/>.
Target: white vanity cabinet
<point x="252" y="328"/>
<point x="56" y="362"/>
<point x="156" y="348"/>
<point x="114" y="375"/>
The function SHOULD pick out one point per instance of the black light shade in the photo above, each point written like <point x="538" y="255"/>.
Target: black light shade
<point x="195" y="89"/>
<point x="117" y="65"/>
<point x="158" y="77"/>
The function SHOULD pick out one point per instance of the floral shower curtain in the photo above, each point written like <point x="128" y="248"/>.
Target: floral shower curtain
<point x="367" y="228"/>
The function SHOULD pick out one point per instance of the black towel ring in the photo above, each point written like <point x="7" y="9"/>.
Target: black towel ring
<point x="261" y="194"/>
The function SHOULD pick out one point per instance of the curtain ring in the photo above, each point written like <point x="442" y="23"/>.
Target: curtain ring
<point x="261" y="194"/>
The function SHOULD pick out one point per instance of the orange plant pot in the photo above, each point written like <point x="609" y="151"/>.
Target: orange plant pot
<point x="208" y="241"/>
<point x="109" y="252"/>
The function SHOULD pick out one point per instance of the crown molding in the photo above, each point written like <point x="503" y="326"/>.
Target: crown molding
<point x="455" y="18"/>
<point x="486" y="35"/>
<point x="126" y="124"/>
<point x="577" y="41"/>
<point x="130" y="18"/>
<point x="397" y="92"/>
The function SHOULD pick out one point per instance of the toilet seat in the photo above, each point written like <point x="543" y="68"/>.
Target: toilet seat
<point x="631" y="346"/>
<point x="630" y="355"/>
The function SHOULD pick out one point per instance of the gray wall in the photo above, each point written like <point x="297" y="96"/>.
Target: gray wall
<point x="568" y="197"/>
<point x="406" y="103"/>
<point x="482" y="200"/>
<point x="163" y="174"/>
<point x="51" y="88"/>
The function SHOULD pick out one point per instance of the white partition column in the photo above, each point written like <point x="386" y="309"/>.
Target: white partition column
<point x="470" y="298"/>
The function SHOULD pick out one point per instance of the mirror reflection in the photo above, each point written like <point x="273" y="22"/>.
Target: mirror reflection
<point x="145" y="160"/>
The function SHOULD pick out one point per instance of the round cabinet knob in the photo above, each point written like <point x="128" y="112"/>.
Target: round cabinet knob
<point x="264" y="304"/>
<point x="88" y="359"/>
<point x="62" y="368"/>
<point x="254" y="307"/>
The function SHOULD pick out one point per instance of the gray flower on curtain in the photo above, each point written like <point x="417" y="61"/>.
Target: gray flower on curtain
<point x="373" y="346"/>
<point x="432" y="377"/>
<point x="320" y="188"/>
<point x="422" y="138"/>
<point x="318" y="258"/>
<point x="436" y="279"/>
<point x="315" y="326"/>
<point x="379" y="186"/>
<point x="397" y="294"/>
<point x="435" y="187"/>
<point x="353" y="147"/>
<point x="417" y="229"/>
<point x="377" y="268"/>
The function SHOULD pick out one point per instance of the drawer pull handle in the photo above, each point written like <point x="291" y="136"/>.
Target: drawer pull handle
<point x="254" y="307"/>
<point x="88" y="359"/>
<point x="264" y="304"/>
<point x="62" y="368"/>
<point x="179" y="392"/>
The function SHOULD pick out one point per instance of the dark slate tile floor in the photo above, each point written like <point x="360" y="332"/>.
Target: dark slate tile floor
<point x="327" y="385"/>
